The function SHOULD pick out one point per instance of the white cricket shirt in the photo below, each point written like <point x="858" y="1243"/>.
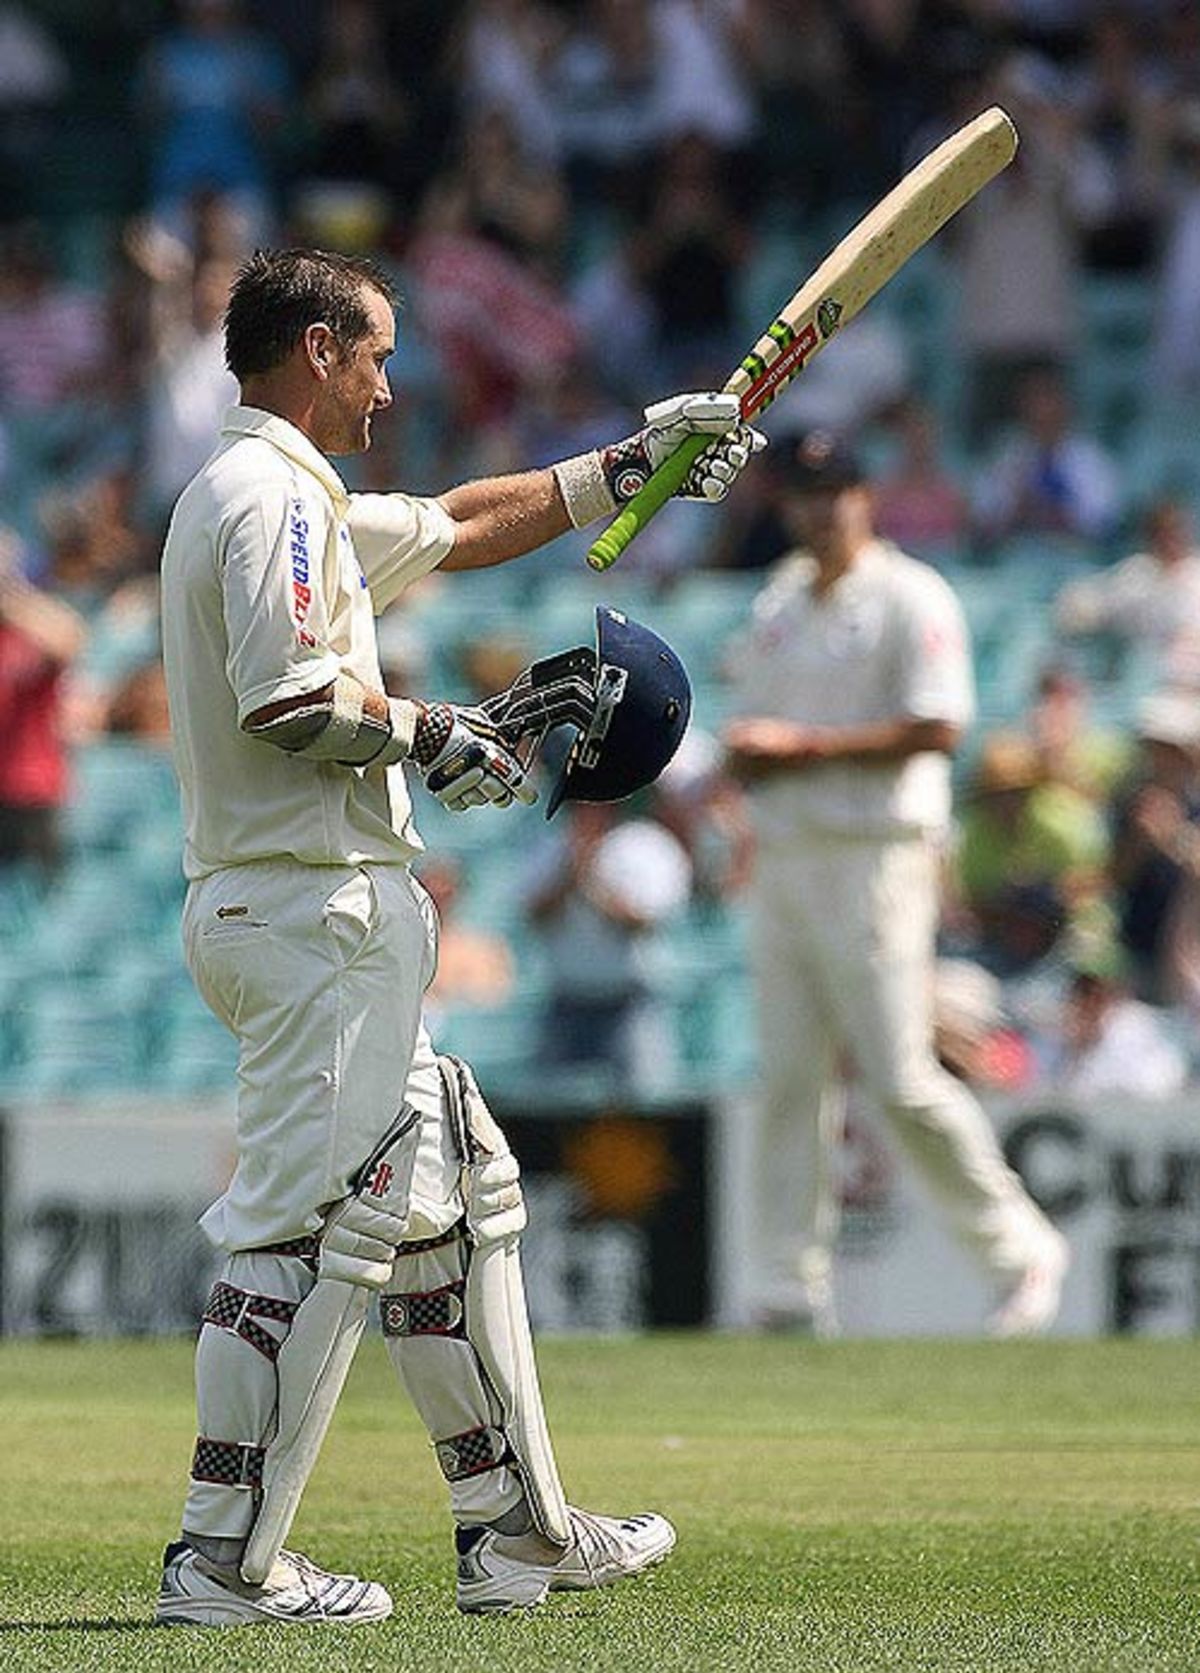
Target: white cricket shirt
<point x="887" y="641"/>
<point x="272" y="575"/>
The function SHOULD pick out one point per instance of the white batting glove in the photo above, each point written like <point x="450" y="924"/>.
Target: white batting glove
<point x="597" y="484"/>
<point x="671" y="422"/>
<point x="464" y="761"/>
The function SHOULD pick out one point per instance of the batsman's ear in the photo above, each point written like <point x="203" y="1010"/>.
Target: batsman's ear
<point x="320" y="348"/>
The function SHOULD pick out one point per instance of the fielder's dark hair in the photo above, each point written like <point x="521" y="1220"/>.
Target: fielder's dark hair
<point x="278" y="294"/>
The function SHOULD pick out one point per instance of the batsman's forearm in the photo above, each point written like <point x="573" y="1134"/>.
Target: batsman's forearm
<point x="503" y="517"/>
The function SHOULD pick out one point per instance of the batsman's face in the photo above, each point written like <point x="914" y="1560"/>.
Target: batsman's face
<point x="357" y="384"/>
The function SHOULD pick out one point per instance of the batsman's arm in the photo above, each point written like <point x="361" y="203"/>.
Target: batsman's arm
<point x="666" y="481"/>
<point x="698" y="437"/>
<point x="502" y="517"/>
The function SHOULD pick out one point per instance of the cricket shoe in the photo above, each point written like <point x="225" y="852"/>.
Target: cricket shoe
<point x="196" y="1592"/>
<point x="1031" y="1301"/>
<point x="499" y="1572"/>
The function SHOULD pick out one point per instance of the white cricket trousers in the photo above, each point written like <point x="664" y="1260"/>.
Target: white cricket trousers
<point x="320" y="972"/>
<point x="842" y="946"/>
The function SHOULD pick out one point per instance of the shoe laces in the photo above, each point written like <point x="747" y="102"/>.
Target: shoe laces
<point x="598" y="1538"/>
<point x="312" y="1579"/>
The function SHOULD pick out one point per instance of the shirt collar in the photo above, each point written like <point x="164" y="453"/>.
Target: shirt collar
<point x="253" y="421"/>
<point x="872" y="556"/>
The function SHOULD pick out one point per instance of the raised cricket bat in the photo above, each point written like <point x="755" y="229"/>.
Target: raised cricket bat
<point x="846" y="280"/>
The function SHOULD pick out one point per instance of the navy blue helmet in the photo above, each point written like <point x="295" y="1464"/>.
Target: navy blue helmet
<point x="628" y="701"/>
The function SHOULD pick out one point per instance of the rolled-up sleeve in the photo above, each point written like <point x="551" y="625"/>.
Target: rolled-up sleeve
<point x="398" y="538"/>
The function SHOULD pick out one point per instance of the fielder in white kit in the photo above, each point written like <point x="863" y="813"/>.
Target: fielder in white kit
<point x="367" y="1165"/>
<point x="854" y="687"/>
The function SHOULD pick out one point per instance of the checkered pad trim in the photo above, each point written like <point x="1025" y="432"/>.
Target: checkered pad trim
<point x="306" y="1249"/>
<point x="470" y="1454"/>
<point x="228" y="1463"/>
<point x="422" y="1245"/>
<point x="435" y="1313"/>
<point x="232" y="1309"/>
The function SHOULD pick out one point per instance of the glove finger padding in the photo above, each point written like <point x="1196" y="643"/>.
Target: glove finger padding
<point x="464" y="761"/>
<point x="720" y="465"/>
<point x="710" y="412"/>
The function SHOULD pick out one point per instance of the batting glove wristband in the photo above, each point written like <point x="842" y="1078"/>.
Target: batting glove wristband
<point x="597" y="484"/>
<point x="464" y="761"/>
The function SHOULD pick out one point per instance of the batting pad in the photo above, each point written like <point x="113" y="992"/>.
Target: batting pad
<point x="355" y="1258"/>
<point x="458" y="1332"/>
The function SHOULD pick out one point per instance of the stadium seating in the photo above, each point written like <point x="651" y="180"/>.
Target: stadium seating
<point x="92" y="988"/>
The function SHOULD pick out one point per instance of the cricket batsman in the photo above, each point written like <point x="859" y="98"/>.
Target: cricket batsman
<point x="367" y="1164"/>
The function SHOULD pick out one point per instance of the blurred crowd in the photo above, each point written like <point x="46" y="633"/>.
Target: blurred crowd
<point x="588" y="204"/>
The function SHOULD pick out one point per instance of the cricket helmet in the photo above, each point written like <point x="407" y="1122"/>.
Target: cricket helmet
<point x="628" y="700"/>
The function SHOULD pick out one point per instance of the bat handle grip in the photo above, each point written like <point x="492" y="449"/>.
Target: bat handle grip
<point x="649" y="499"/>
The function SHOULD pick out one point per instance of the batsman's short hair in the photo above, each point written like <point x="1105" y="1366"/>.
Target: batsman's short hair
<point x="278" y="294"/>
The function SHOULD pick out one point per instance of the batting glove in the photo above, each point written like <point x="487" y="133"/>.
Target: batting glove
<point x="628" y="463"/>
<point x="464" y="761"/>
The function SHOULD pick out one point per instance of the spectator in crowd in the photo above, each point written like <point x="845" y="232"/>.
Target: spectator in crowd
<point x="604" y="86"/>
<point x="188" y="385"/>
<point x="796" y="54"/>
<point x="696" y="800"/>
<point x="1120" y="102"/>
<point x="476" y="968"/>
<point x="1071" y="749"/>
<point x="509" y="48"/>
<point x="704" y="92"/>
<point x="1107" y="1043"/>
<point x="214" y="92"/>
<point x="40" y="638"/>
<point x="500" y="327"/>
<point x="616" y="318"/>
<point x="691" y="247"/>
<point x="1175" y="354"/>
<point x="361" y="119"/>
<point x="53" y="348"/>
<point x="34" y="82"/>
<point x="919" y="501"/>
<point x="971" y="1034"/>
<point x="598" y="889"/>
<point x="1156" y="825"/>
<point x="94" y="560"/>
<point x="501" y="194"/>
<point x="1151" y="598"/>
<point x="1027" y="843"/>
<point x="138" y="707"/>
<point x="1020" y="240"/>
<point x="1047" y="477"/>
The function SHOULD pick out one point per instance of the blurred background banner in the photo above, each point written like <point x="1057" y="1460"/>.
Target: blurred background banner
<point x="1120" y="1179"/>
<point x="98" y="1208"/>
<point x="638" y="1218"/>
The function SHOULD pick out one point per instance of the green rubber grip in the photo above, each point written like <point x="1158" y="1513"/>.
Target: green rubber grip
<point x="649" y="499"/>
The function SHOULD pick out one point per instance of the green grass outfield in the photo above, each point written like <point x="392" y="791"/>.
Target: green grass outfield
<point x="842" y="1507"/>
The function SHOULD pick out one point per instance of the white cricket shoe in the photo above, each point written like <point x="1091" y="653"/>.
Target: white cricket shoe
<point x="499" y="1572"/>
<point x="1031" y="1301"/>
<point x="195" y="1592"/>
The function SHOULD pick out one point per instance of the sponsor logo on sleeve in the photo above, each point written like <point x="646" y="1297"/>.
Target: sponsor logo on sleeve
<point x="301" y="573"/>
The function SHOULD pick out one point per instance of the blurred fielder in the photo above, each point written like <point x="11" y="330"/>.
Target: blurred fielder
<point x="367" y="1164"/>
<point x="854" y="688"/>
